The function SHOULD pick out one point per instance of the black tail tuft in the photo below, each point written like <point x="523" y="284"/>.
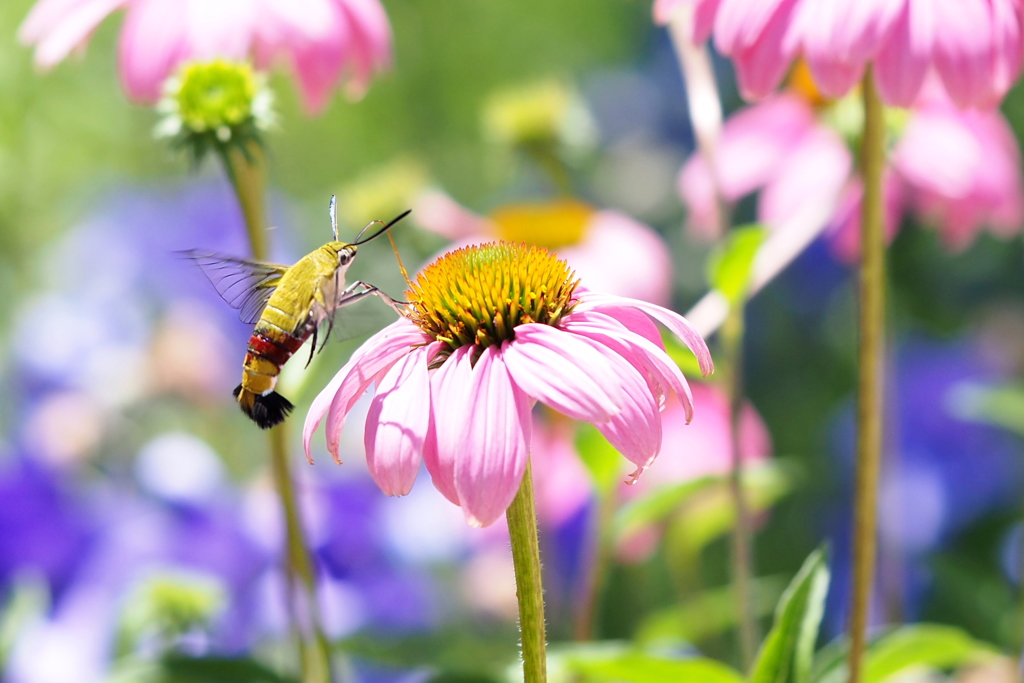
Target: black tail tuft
<point x="265" y="411"/>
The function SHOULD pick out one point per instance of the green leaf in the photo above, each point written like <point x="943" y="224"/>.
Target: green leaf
<point x="710" y="512"/>
<point x="639" y="667"/>
<point x="787" y="652"/>
<point x="707" y="614"/>
<point x="177" y="669"/>
<point x="28" y="600"/>
<point x="928" y="646"/>
<point x="1002" y="406"/>
<point x="602" y="461"/>
<point x="658" y="505"/>
<point x="731" y="264"/>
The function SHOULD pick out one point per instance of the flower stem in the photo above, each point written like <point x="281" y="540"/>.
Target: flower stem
<point x="246" y="169"/>
<point x="742" y="547"/>
<point x="522" y="529"/>
<point x="869" y="397"/>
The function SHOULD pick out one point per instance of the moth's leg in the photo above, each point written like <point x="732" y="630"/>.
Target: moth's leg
<point x="312" y="346"/>
<point x="330" y="328"/>
<point x="351" y="295"/>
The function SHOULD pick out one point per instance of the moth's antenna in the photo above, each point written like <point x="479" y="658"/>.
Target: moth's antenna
<point x="334" y="216"/>
<point x="359" y="238"/>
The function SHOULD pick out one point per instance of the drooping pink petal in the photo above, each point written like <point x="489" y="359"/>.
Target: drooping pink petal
<point x="494" y="442"/>
<point x="753" y="143"/>
<point x="222" y="29"/>
<point x="371" y="40"/>
<point x="152" y="43"/>
<point x="57" y="27"/>
<point x="756" y="36"/>
<point x="963" y="50"/>
<point x="905" y="55"/>
<point x="676" y="323"/>
<point x="378" y="353"/>
<point x="563" y="371"/>
<point x="612" y="333"/>
<point x="448" y="387"/>
<point x="318" y="63"/>
<point x="1008" y="44"/>
<point x="636" y="430"/>
<point x="839" y="38"/>
<point x="815" y="170"/>
<point x="620" y="256"/>
<point x="397" y="423"/>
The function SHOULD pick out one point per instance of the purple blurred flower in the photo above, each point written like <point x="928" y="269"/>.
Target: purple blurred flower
<point x="975" y="47"/>
<point x="323" y="41"/>
<point x="942" y="472"/>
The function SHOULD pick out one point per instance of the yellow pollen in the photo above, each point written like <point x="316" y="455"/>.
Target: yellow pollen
<point x="551" y="224"/>
<point x="479" y="294"/>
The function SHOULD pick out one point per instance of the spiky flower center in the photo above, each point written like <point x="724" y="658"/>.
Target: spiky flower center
<point x="479" y="294"/>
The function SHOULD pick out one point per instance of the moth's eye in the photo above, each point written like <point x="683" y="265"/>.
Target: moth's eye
<point x="344" y="257"/>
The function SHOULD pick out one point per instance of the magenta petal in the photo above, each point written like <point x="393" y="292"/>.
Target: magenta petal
<point x="378" y="352"/>
<point x="448" y="387"/>
<point x="676" y="323"/>
<point x="59" y="27"/>
<point x="906" y="54"/>
<point x="636" y="430"/>
<point x="963" y="51"/>
<point x="397" y="423"/>
<point x="756" y="36"/>
<point x="638" y="349"/>
<point x="563" y="371"/>
<point x="493" y="448"/>
<point x="153" y="41"/>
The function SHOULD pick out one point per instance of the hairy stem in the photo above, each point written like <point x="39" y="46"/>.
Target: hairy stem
<point x="869" y="397"/>
<point x="247" y="171"/>
<point x="522" y="529"/>
<point x="742" y="547"/>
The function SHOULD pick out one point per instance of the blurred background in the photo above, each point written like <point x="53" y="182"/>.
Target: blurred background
<point x="136" y="505"/>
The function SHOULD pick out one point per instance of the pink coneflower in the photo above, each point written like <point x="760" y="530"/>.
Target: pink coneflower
<point x="323" y="41"/>
<point x="958" y="170"/>
<point x="492" y="329"/>
<point x="975" y="47"/>
<point x="609" y="250"/>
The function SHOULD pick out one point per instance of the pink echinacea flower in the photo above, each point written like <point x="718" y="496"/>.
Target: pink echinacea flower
<point x="958" y="170"/>
<point x="492" y="330"/>
<point x="609" y="250"/>
<point x="975" y="47"/>
<point x="323" y="41"/>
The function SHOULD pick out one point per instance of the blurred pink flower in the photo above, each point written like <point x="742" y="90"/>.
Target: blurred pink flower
<point x="322" y="40"/>
<point x="610" y="251"/>
<point x="974" y="46"/>
<point x="960" y="170"/>
<point x="459" y="398"/>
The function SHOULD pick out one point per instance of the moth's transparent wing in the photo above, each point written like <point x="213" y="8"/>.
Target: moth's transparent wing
<point x="245" y="285"/>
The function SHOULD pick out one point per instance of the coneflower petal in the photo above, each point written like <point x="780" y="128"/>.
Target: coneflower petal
<point x="493" y="448"/>
<point x="612" y="333"/>
<point x="563" y="371"/>
<point x="448" y="385"/>
<point x="397" y="423"/>
<point x="676" y="323"/>
<point x="636" y="431"/>
<point x="378" y="353"/>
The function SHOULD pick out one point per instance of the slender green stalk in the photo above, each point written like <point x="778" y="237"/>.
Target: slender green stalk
<point x="742" y="547"/>
<point x="869" y="397"/>
<point x="522" y="530"/>
<point x="247" y="171"/>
